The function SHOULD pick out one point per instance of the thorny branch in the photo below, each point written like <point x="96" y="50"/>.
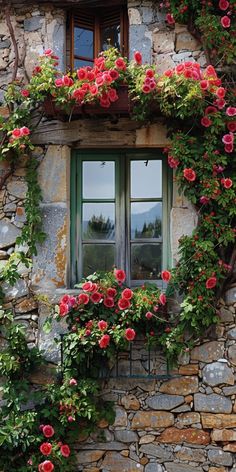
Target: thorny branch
<point x="13" y="38"/>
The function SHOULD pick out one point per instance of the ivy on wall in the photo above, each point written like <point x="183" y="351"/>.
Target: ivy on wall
<point x="201" y="119"/>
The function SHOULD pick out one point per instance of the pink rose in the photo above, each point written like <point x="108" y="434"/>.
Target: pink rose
<point x="231" y="125"/>
<point x="130" y="334"/>
<point x="72" y="382"/>
<point x="225" y="21"/>
<point x="166" y="275"/>
<point x="63" y="309"/>
<point x="83" y="299"/>
<point x="48" y="431"/>
<point x="127" y="293"/>
<point x="170" y="19"/>
<point x="228" y="138"/>
<point x="48" y="52"/>
<point x="102" y="325"/>
<point x="204" y="84"/>
<point x="162" y="299"/>
<point x="123" y="304"/>
<point x="231" y="111"/>
<point x="190" y="175"/>
<point x="223" y="4"/>
<point x="46" y="448"/>
<point x="149" y="315"/>
<point x="221" y="92"/>
<point x="47" y="466"/>
<point x="24" y="131"/>
<point x="227" y="183"/>
<point x="65" y="450"/>
<point x="205" y="121"/>
<point x="111" y="292"/>
<point x="104" y="341"/>
<point x="109" y="302"/>
<point x="120" y="275"/>
<point x="120" y="63"/>
<point x="87" y="286"/>
<point x="25" y="93"/>
<point x="96" y="297"/>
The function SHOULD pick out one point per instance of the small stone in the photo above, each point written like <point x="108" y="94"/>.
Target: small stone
<point x="230" y="296"/>
<point x="125" y="453"/>
<point x="208" y="352"/>
<point x="229" y="390"/>
<point x="86" y="457"/>
<point x="148" y="438"/>
<point x="152" y="419"/>
<point x="188" y="399"/>
<point x="163" y="42"/>
<point x="126" y="436"/>
<point x="179" y="436"/>
<point x="174" y="467"/>
<point x="212" y="403"/>
<point x="218" y="421"/>
<point x="187" y="454"/>
<point x="121" y="417"/>
<point x="226" y="316"/>
<point x="186" y="419"/>
<point x="103" y="423"/>
<point x="218" y="373"/>
<point x="8" y="233"/>
<point x="153" y="467"/>
<point x="130" y="402"/>
<point x="29" y="304"/>
<point x="9" y="207"/>
<point x="186" y="41"/>
<point x="217" y="469"/>
<point x="180" y="386"/>
<point x="18" y="290"/>
<point x="144" y="461"/>
<point x="225" y="435"/>
<point x="182" y="409"/>
<point x="17" y="188"/>
<point x="156" y="450"/>
<point x="218" y="456"/>
<point x="5" y="44"/>
<point x="164" y="402"/>
<point x="190" y="369"/>
<point x="3" y="255"/>
<point x="114" y="462"/>
<point x="33" y="24"/>
<point x="232" y="354"/>
<point x="230" y="447"/>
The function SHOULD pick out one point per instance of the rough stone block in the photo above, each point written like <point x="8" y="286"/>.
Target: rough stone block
<point x="26" y="305"/>
<point x="225" y="435"/>
<point x="232" y="354"/>
<point x="218" y="373"/>
<point x="218" y="421"/>
<point x="156" y="451"/>
<point x="147" y="439"/>
<point x="152" y="419"/>
<point x="153" y="467"/>
<point x="138" y="41"/>
<point x="17" y="188"/>
<point x="232" y="334"/>
<point x="163" y="42"/>
<point x="121" y="417"/>
<point x="208" y="352"/>
<point x="130" y="402"/>
<point x="52" y="174"/>
<point x="187" y="419"/>
<point x="226" y="316"/>
<point x="33" y="24"/>
<point x="180" y="386"/>
<point x="191" y="369"/>
<point x="179" y="436"/>
<point x="218" y="456"/>
<point x="164" y="402"/>
<point x="87" y="457"/>
<point x="126" y="436"/>
<point x="46" y="341"/>
<point x="191" y="455"/>
<point x="183" y="222"/>
<point x="174" y="467"/>
<point x="185" y="40"/>
<point x="212" y="403"/>
<point x="6" y="43"/>
<point x="114" y="462"/>
<point x="18" y="290"/>
<point x="163" y="62"/>
<point x="8" y="233"/>
<point x="134" y="16"/>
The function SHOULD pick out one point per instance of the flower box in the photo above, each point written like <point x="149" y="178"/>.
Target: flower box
<point x="123" y="106"/>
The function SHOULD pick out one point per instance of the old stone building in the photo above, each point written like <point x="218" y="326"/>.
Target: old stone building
<point x="181" y="422"/>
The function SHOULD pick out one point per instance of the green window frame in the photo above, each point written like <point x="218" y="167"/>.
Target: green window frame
<point x="123" y="244"/>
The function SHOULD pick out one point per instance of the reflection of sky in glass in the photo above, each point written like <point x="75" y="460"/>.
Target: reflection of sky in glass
<point x="80" y="63"/>
<point x="98" y="179"/>
<point x="83" y="42"/>
<point x="146" y="180"/>
<point x="146" y="219"/>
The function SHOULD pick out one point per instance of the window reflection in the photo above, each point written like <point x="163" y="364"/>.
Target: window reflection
<point x="84" y="42"/>
<point x="146" y="220"/>
<point x="145" y="261"/>
<point x="98" y="179"/>
<point x="146" y="179"/>
<point x="97" y="258"/>
<point x="110" y="36"/>
<point x="98" y="221"/>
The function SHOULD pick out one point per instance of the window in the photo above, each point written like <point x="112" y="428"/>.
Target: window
<point x="94" y="30"/>
<point x="119" y="208"/>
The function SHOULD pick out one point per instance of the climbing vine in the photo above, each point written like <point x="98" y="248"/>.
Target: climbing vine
<point x="107" y="315"/>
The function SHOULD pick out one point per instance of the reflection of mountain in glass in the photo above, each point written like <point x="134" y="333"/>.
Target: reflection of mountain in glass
<point x="147" y="224"/>
<point x="98" y="227"/>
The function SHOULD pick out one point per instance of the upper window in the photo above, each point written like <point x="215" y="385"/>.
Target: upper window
<point x="94" y="30"/>
<point x="119" y="215"/>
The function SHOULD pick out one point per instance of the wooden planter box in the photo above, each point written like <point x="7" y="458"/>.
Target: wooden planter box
<point x="123" y="106"/>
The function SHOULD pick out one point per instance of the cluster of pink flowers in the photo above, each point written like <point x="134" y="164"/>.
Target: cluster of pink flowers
<point x="149" y="83"/>
<point x="20" y="132"/>
<point x="47" y="448"/>
<point x="190" y="70"/>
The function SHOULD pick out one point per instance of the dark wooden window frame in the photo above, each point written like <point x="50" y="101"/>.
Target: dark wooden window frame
<point x="92" y="19"/>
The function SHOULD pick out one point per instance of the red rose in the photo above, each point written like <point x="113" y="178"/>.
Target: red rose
<point x="228" y="138"/>
<point x="231" y="111"/>
<point x="220" y="103"/>
<point x="223" y="4"/>
<point x="83" y="299"/>
<point x="149" y="315"/>
<point x="24" y="131"/>
<point x="16" y="133"/>
<point x="231" y="125"/>
<point x="108" y="302"/>
<point x="87" y="286"/>
<point x="168" y="73"/>
<point x="211" y="282"/>
<point x="210" y="110"/>
<point x="138" y="57"/>
<point x="172" y="162"/>
<point x="205" y="121"/>
<point x="112" y="95"/>
<point x="189" y="175"/>
<point x="120" y="275"/>
<point x="162" y="299"/>
<point x="114" y="74"/>
<point x="166" y="275"/>
<point x="170" y="19"/>
<point x="204" y="84"/>
<point x="225" y="21"/>
<point x="102" y="325"/>
<point x="46" y="466"/>
<point x="120" y="63"/>
<point x="65" y="450"/>
<point x="82" y="74"/>
<point x="150" y="73"/>
<point x="48" y="431"/>
<point x="204" y="200"/>
<point x="127" y="293"/>
<point x="46" y="449"/>
<point x="210" y="71"/>
<point x="25" y="93"/>
<point x="130" y="334"/>
<point x="227" y="183"/>
<point x="63" y="309"/>
<point x="146" y="88"/>
<point x="65" y="299"/>
<point x="229" y="147"/>
<point x="221" y="92"/>
<point x="104" y="341"/>
<point x="48" y="52"/>
<point x="123" y="304"/>
<point x="96" y="297"/>
<point x="72" y="382"/>
<point x="111" y="292"/>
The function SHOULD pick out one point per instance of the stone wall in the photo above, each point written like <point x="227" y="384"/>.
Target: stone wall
<point x="184" y="423"/>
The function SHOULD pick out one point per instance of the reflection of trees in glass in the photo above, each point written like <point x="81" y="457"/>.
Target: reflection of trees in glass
<point x="97" y="258"/>
<point x="99" y="227"/>
<point x="150" y="230"/>
<point x="146" y="261"/>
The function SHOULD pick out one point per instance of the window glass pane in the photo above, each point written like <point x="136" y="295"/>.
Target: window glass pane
<point x="78" y="63"/>
<point x="146" y="218"/>
<point x="98" y="179"/>
<point x="146" y="179"/>
<point x="145" y="261"/>
<point x="98" y="221"/>
<point x="98" y="258"/>
<point x="110" y="36"/>
<point x="83" y="40"/>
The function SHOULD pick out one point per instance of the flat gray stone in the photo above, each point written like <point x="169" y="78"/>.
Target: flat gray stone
<point x="182" y="409"/>
<point x="8" y="233"/>
<point x="230" y="296"/>
<point x="164" y="402"/>
<point x="174" y="467"/>
<point x="229" y="390"/>
<point x="153" y="467"/>
<point x="208" y="352"/>
<point x="232" y="334"/>
<point x="220" y="457"/>
<point x="156" y="451"/>
<point x="126" y="436"/>
<point x="5" y="44"/>
<point x="218" y="373"/>
<point x="226" y="316"/>
<point x="17" y="188"/>
<point x="104" y="446"/>
<point x="33" y="23"/>
<point x="19" y="289"/>
<point x="232" y="354"/>
<point x="212" y="403"/>
<point x="140" y="42"/>
<point x="59" y="41"/>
